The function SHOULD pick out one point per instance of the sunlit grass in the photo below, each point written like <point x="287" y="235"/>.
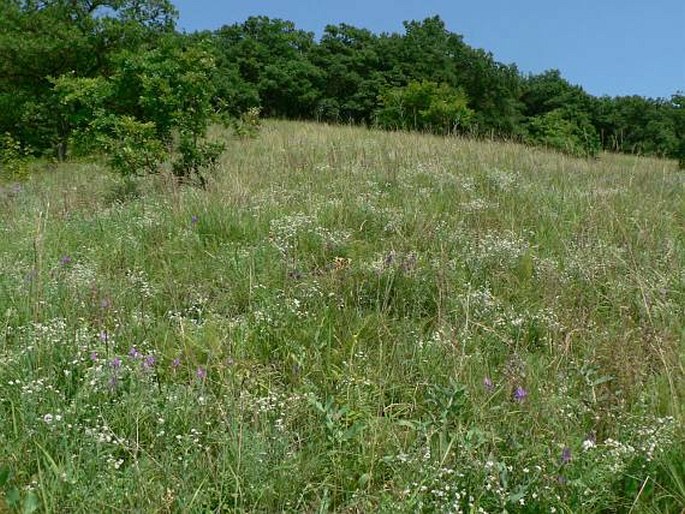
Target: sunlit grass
<point x="346" y="320"/>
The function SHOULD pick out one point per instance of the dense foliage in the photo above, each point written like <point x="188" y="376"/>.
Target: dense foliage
<point x="425" y="106"/>
<point x="107" y="75"/>
<point x="72" y="63"/>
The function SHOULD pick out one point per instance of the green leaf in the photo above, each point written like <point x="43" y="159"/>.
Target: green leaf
<point x="30" y="503"/>
<point x="13" y="497"/>
<point x="352" y="432"/>
<point x="524" y="269"/>
<point x="602" y="380"/>
<point x="516" y="496"/>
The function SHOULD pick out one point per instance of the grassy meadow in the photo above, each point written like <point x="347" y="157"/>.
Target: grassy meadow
<point x="346" y="320"/>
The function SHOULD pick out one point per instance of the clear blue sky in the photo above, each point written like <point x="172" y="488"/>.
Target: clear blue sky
<point x="612" y="47"/>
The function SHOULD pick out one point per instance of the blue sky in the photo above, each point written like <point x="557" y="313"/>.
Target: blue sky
<point x="610" y="47"/>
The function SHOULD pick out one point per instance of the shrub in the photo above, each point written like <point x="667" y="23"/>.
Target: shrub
<point x="195" y="157"/>
<point x="172" y="87"/>
<point x="425" y="106"/>
<point x="328" y="110"/>
<point x="153" y="98"/>
<point x="79" y="104"/>
<point x="13" y="159"/>
<point x="249" y="123"/>
<point x="570" y="134"/>
<point x="133" y="146"/>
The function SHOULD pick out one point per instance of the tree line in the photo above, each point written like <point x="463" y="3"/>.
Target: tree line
<point x="82" y="75"/>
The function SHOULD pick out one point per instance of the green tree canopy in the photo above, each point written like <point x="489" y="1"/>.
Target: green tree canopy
<point x="40" y="41"/>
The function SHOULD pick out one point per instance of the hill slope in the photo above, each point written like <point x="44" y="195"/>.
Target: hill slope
<point x="347" y="320"/>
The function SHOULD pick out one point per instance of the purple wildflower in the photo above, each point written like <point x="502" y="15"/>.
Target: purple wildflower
<point x="104" y="336"/>
<point x="133" y="352"/>
<point x="487" y="384"/>
<point x="201" y="373"/>
<point x="94" y="356"/>
<point x="65" y="260"/>
<point x="149" y="362"/>
<point x="566" y="455"/>
<point x="116" y="363"/>
<point x="176" y="363"/>
<point x="520" y="394"/>
<point x="194" y="219"/>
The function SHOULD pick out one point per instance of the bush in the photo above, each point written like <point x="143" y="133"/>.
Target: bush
<point x="425" y="106"/>
<point x="328" y="110"/>
<point x="195" y="157"/>
<point x="153" y="98"/>
<point x="174" y="89"/>
<point x="249" y="123"/>
<point x="133" y="147"/>
<point x="79" y="104"/>
<point x="13" y="159"/>
<point x="561" y="131"/>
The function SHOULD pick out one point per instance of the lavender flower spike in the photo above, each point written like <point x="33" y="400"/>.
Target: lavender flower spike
<point x="520" y="394"/>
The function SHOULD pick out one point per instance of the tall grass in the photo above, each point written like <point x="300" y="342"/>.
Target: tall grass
<point x="349" y="321"/>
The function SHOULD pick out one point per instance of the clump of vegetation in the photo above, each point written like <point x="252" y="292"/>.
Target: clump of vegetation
<point x="14" y="159"/>
<point x="154" y="101"/>
<point x="174" y="91"/>
<point x="558" y="131"/>
<point x="168" y="89"/>
<point x="425" y="106"/>
<point x="249" y="123"/>
<point x="132" y="147"/>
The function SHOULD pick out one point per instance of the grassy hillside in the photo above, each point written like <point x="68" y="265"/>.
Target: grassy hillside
<point x="349" y="321"/>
